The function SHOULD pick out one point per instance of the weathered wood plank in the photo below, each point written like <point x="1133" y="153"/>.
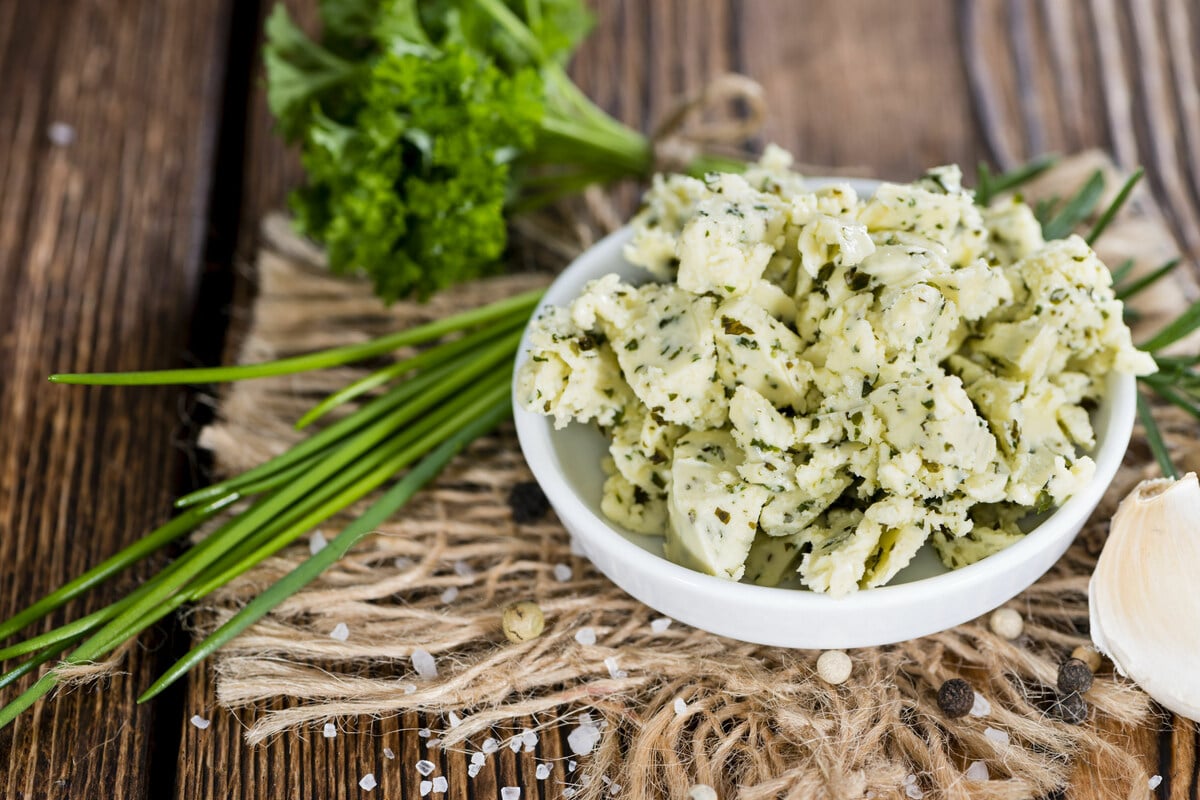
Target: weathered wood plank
<point x="101" y="237"/>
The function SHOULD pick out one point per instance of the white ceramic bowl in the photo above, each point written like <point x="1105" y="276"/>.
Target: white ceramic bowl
<point x="923" y="598"/>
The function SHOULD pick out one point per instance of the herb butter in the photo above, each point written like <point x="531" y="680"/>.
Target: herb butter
<point x="817" y="383"/>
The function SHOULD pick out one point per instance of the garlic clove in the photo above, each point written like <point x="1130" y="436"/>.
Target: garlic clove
<point x="1144" y="596"/>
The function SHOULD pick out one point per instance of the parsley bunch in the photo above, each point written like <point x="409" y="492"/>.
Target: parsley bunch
<point x="423" y="123"/>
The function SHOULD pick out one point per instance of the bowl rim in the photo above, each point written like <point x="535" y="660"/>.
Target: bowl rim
<point x="535" y="432"/>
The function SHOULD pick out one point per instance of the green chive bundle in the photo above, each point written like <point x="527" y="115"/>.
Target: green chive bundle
<point x="435" y="403"/>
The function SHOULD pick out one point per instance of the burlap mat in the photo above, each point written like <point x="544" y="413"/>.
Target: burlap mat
<point x="754" y="721"/>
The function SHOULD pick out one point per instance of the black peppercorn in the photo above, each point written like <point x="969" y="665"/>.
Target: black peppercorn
<point x="528" y="502"/>
<point x="956" y="698"/>
<point x="1074" y="676"/>
<point x="1071" y="709"/>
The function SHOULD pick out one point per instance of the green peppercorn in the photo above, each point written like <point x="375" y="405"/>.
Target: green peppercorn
<point x="956" y="698"/>
<point x="1074" y="677"/>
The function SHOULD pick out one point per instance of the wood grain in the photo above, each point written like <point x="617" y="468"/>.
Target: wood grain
<point x="101" y="240"/>
<point x="101" y="243"/>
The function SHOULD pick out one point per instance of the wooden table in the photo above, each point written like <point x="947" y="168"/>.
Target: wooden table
<point x="136" y="157"/>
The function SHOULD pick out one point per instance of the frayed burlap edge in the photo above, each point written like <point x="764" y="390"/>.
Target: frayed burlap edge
<point x="756" y="722"/>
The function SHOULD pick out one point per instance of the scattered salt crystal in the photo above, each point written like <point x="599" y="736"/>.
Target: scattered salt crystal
<point x="568" y="792"/>
<point x="977" y="771"/>
<point x="585" y="718"/>
<point x="607" y="781"/>
<point x="543" y="771"/>
<point x="510" y="793"/>
<point x="473" y="769"/>
<point x="529" y="739"/>
<point x="425" y="767"/>
<point x="60" y="133"/>
<point x="680" y="707"/>
<point x="316" y="542"/>
<point x="455" y="720"/>
<point x="478" y="758"/>
<point x="200" y="722"/>
<point x="433" y="743"/>
<point x="981" y="707"/>
<point x="462" y="569"/>
<point x="910" y="779"/>
<point x="582" y="740"/>
<point x="409" y="688"/>
<point x="562" y="573"/>
<point x="571" y="765"/>
<point x="440" y="784"/>
<point x="585" y="636"/>
<point x="613" y="672"/>
<point x="1155" y="781"/>
<point x="514" y="744"/>
<point x="424" y="733"/>
<point x="490" y="746"/>
<point x="871" y="794"/>
<point x="389" y="753"/>
<point x="914" y="791"/>
<point x="614" y="789"/>
<point x="341" y="632"/>
<point x="450" y="595"/>
<point x="329" y="731"/>
<point x="368" y="782"/>
<point x="993" y="735"/>
<point x="426" y="788"/>
<point x="661" y="624"/>
<point x="424" y="664"/>
<point x="702" y="791"/>
<point x="403" y="562"/>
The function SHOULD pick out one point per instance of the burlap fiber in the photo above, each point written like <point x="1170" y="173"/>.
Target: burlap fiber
<point x="758" y="722"/>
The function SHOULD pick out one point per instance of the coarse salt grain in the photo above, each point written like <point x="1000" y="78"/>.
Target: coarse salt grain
<point x="702" y="791"/>
<point x="562" y="573"/>
<point x="440" y="785"/>
<point x="977" y="771"/>
<point x="582" y="740"/>
<point x="473" y="770"/>
<point x="914" y="791"/>
<point x="316" y="542"/>
<point x="997" y="736"/>
<point x="614" y="789"/>
<point x="200" y="722"/>
<point x="571" y="765"/>
<point x="529" y="739"/>
<point x="568" y="791"/>
<point x="514" y="744"/>
<point x="409" y="688"/>
<point x="910" y="779"/>
<point x="510" y="793"/>
<point x="367" y="783"/>
<point x="1155" y="780"/>
<point x="462" y="569"/>
<point x="981" y="707"/>
<point x="490" y="746"/>
<point x="478" y="758"/>
<point x="426" y="788"/>
<point x="450" y="595"/>
<point x="424" y="664"/>
<point x="586" y="636"/>
<point x="329" y="731"/>
<point x="341" y="632"/>
<point x="433" y="743"/>
<point x="403" y="562"/>
<point x="389" y="753"/>
<point x="60" y="133"/>
<point x="425" y="767"/>
<point x="661" y="624"/>
<point x="424" y="733"/>
<point x="455" y="720"/>
<point x="613" y="671"/>
<point x="542" y="772"/>
<point x="680" y="707"/>
<point x="585" y="718"/>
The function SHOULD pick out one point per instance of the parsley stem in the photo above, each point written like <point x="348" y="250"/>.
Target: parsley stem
<point x="449" y="439"/>
<point x="323" y="359"/>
